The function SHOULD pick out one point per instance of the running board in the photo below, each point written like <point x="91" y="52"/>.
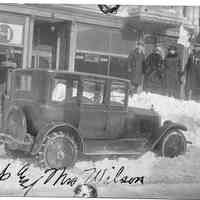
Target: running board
<point x="116" y="147"/>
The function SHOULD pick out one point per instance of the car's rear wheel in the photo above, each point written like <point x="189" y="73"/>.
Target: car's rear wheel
<point x="173" y="144"/>
<point x="58" y="150"/>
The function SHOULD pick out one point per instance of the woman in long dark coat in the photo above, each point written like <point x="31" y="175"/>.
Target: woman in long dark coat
<point x="136" y="62"/>
<point x="153" y="71"/>
<point x="172" y="65"/>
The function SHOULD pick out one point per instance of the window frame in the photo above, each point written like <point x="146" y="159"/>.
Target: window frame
<point x="69" y="84"/>
<point x="103" y="81"/>
<point x="55" y="82"/>
<point x="124" y="105"/>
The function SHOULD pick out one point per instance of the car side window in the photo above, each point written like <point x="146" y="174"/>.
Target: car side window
<point x="117" y="94"/>
<point x="93" y="92"/>
<point x="59" y="90"/>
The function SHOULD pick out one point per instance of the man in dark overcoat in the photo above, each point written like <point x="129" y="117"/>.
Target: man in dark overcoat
<point x="192" y="71"/>
<point x="136" y="64"/>
<point x="153" y="71"/>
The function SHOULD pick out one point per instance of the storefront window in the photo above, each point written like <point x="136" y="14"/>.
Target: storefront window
<point x="93" y="38"/>
<point x="91" y="63"/>
<point x="100" y="39"/>
<point x="118" y="45"/>
<point x="118" y="67"/>
<point x="102" y="50"/>
<point x="11" y="40"/>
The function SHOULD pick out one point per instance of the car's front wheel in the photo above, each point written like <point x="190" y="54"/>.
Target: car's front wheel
<point x="58" y="150"/>
<point x="173" y="144"/>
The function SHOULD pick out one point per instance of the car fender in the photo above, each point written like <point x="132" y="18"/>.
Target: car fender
<point x="18" y="111"/>
<point x="48" y="128"/>
<point x="167" y="125"/>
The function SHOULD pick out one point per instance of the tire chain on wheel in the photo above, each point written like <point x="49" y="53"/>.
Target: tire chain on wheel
<point x="41" y="157"/>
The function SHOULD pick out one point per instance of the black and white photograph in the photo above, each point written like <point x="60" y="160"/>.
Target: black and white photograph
<point x="99" y="101"/>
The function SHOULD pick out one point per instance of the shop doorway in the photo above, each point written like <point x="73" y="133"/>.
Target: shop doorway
<point x="51" y="45"/>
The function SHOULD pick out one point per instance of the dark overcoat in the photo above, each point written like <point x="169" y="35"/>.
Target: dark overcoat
<point x="192" y="70"/>
<point x="153" y="72"/>
<point x="172" y="64"/>
<point x="136" y="65"/>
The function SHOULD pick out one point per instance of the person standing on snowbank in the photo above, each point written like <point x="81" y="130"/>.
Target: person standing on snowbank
<point x="172" y="65"/>
<point x="136" y="65"/>
<point x="192" y="71"/>
<point x="154" y="71"/>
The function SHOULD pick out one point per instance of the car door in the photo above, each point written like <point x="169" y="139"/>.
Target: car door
<point x="93" y="111"/>
<point x="117" y="110"/>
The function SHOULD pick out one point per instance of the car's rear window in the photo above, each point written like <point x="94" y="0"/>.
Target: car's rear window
<point x="24" y="82"/>
<point x="64" y="90"/>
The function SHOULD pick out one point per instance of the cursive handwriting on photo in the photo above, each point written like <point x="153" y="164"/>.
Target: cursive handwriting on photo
<point x="61" y="177"/>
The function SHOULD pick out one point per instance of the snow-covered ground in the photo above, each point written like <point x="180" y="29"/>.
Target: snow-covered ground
<point x="164" y="177"/>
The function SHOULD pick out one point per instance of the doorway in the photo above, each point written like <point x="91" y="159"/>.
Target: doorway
<point x="51" y="45"/>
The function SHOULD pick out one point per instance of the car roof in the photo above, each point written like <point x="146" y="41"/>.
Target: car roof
<point x="83" y="74"/>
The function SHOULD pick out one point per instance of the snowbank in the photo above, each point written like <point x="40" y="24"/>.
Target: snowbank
<point x="185" y="112"/>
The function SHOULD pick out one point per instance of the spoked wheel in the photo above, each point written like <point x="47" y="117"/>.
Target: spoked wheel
<point x="58" y="150"/>
<point x="173" y="144"/>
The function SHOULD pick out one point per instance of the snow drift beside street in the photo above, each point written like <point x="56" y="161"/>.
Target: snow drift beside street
<point x="184" y="112"/>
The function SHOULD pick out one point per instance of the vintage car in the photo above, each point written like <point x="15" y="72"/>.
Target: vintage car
<point x="58" y="116"/>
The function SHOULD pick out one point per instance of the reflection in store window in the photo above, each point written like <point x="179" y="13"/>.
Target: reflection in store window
<point x="100" y="39"/>
<point x="94" y="38"/>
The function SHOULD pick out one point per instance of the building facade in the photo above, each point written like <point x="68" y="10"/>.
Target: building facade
<point x="82" y="38"/>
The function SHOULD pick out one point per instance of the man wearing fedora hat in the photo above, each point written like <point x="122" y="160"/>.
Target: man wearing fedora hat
<point x="136" y="65"/>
